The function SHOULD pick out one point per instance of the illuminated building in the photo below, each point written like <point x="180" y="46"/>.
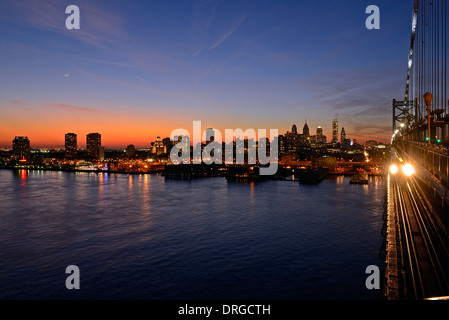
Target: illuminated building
<point x="343" y="135"/>
<point x="101" y="153"/>
<point x="291" y="142"/>
<point x="21" y="148"/>
<point x="320" y="138"/>
<point x="93" y="145"/>
<point x="158" y="147"/>
<point x="70" y="145"/>
<point x="325" y="162"/>
<point x="319" y="134"/>
<point x="335" y="131"/>
<point x="282" y="144"/>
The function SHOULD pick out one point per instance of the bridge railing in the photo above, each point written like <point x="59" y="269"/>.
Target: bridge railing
<point x="434" y="158"/>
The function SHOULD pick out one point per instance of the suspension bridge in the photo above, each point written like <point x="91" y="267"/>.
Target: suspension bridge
<point x="417" y="198"/>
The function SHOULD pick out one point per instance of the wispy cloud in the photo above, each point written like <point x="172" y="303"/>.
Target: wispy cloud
<point x="140" y="79"/>
<point x="69" y="107"/>
<point x="98" y="26"/>
<point x="227" y="34"/>
<point x="197" y="52"/>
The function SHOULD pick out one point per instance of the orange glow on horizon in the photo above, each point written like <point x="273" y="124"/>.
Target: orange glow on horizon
<point x="46" y="125"/>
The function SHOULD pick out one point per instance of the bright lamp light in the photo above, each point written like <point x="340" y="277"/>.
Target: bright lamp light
<point x="393" y="169"/>
<point x="408" y="169"/>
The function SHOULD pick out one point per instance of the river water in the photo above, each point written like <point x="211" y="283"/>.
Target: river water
<point x="144" y="237"/>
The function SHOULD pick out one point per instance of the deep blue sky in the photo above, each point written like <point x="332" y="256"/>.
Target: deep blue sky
<point x="148" y="67"/>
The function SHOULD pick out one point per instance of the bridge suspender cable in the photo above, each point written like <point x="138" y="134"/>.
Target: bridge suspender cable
<point x="410" y="55"/>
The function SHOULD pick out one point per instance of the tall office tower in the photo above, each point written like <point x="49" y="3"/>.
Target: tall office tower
<point x="294" y="129"/>
<point x="291" y="142"/>
<point x="282" y="144"/>
<point x="93" y="145"/>
<point x="343" y="135"/>
<point x="70" y="145"/>
<point x="319" y="135"/>
<point x="21" y="148"/>
<point x="335" y="131"/>
<point x="305" y="130"/>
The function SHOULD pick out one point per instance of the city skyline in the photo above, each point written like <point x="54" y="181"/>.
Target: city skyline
<point x="71" y="139"/>
<point x="201" y="150"/>
<point x="138" y="73"/>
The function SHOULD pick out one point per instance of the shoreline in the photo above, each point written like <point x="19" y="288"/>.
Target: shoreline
<point x="283" y="178"/>
<point x="75" y="171"/>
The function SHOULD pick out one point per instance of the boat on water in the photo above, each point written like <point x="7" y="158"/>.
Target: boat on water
<point x="313" y="176"/>
<point x="360" y="177"/>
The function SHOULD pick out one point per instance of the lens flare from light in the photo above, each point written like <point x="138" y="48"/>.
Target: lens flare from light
<point x="393" y="169"/>
<point x="408" y="169"/>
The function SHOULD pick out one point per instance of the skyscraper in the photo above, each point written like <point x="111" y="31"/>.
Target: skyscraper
<point x="294" y="129"/>
<point x="319" y="135"/>
<point x="335" y="131"/>
<point x="290" y="142"/>
<point x="305" y="130"/>
<point x="343" y="135"/>
<point x="93" y="145"/>
<point x="70" y="145"/>
<point x="21" y="148"/>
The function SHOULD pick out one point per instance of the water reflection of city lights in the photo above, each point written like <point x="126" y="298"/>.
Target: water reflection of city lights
<point x="23" y="174"/>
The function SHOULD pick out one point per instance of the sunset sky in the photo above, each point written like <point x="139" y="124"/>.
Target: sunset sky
<point x="140" y="69"/>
